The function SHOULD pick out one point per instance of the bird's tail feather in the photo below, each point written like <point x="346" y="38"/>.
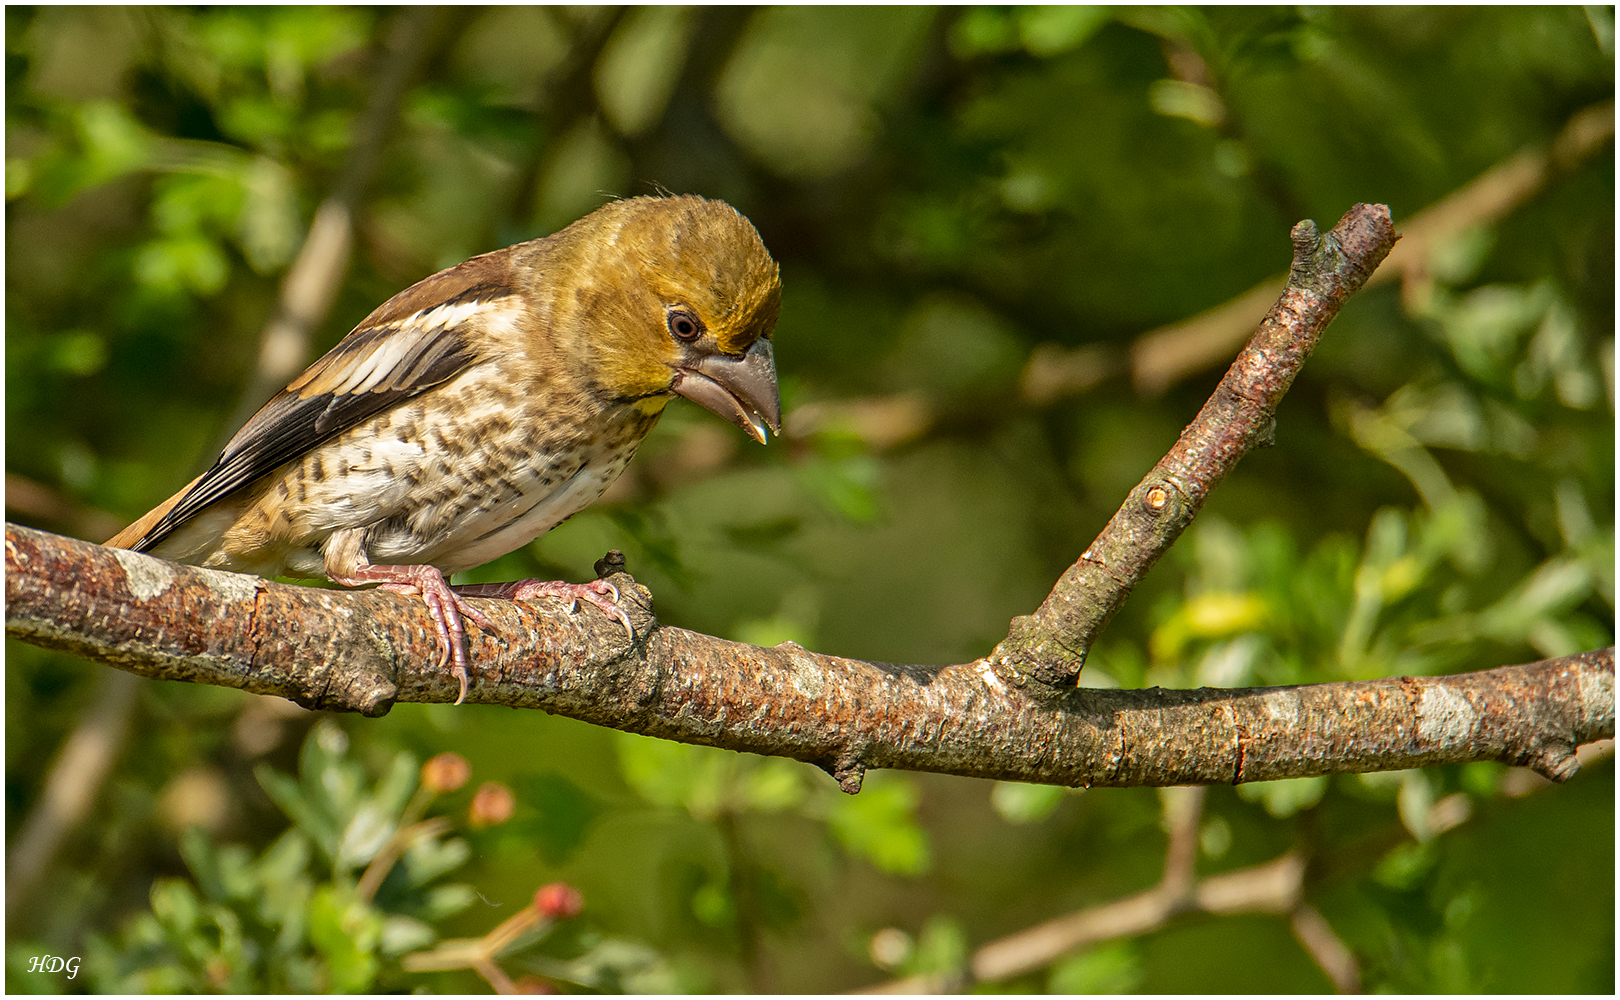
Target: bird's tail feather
<point x="131" y="536"/>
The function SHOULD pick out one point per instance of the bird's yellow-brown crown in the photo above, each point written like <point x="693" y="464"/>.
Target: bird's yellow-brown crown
<point x="655" y="285"/>
<point x="707" y="254"/>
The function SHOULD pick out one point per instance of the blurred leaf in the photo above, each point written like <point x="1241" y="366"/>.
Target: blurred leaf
<point x="555" y="814"/>
<point x="268" y="226"/>
<point x="1286" y="797"/>
<point x="675" y="774"/>
<point x="845" y="486"/>
<point x="287" y="794"/>
<point x="1017" y="802"/>
<point x="772" y="632"/>
<point x="614" y="965"/>
<point x="428" y="858"/>
<point x="956" y="350"/>
<point x="712" y="905"/>
<point x="187" y="264"/>
<point x="1051" y="30"/>
<point x="347" y="934"/>
<point x="706" y="781"/>
<point x="404" y="934"/>
<point x="1207" y="616"/>
<point x="1405" y="866"/>
<point x="1484" y="326"/>
<point x="942" y="948"/>
<point x="636" y="72"/>
<point x="79" y="352"/>
<point x="804" y="87"/>
<point x="1115" y="967"/>
<point x="880" y="826"/>
<point x="442" y="901"/>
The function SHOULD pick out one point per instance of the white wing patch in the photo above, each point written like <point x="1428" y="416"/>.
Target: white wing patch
<point x="395" y="352"/>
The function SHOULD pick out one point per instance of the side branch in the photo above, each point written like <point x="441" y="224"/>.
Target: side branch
<point x="1052" y="643"/>
<point x="364" y="651"/>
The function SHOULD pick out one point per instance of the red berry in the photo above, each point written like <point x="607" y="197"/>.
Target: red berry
<point x="559" y="900"/>
<point x="445" y="772"/>
<point x="492" y="805"/>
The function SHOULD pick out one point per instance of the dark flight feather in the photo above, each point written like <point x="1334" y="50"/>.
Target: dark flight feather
<point x="411" y="343"/>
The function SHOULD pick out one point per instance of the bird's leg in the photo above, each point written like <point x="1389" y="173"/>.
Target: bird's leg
<point x="446" y="607"/>
<point x="598" y="592"/>
<point x="346" y="564"/>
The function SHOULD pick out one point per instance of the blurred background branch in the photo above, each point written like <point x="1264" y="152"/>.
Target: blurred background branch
<point x="1277" y="886"/>
<point x="311" y="285"/>
<point x="70" y="787"/>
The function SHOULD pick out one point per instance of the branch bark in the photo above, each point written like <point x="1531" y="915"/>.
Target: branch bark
<point x="364" y="651"/>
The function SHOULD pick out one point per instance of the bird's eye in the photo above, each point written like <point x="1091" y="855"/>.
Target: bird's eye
<point x="684" y="325"/>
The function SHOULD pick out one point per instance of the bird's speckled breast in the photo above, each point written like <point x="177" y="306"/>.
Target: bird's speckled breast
<point x="457" y="477"/>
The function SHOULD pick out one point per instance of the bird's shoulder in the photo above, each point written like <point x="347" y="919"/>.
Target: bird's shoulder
<point x="421" y="335"/>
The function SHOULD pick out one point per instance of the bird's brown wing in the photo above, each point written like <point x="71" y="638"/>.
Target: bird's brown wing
<point x="413" y="342"/>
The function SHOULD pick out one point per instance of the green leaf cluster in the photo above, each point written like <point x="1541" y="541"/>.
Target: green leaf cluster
<point x="290" y="919"/>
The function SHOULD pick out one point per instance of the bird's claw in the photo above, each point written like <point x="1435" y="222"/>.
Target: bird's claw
<point x="593" y="592"/>
<point x="603" y="595"/>
<point x="447" y="609"/>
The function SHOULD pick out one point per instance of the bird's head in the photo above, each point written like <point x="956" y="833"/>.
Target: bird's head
<point x="674" y="296"/>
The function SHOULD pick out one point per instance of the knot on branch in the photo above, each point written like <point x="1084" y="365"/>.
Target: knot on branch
<point x="610" y="564"/>
<point x="367" y="693"/>
<point x="1556" y="762"/>
<point x="848" y="771"/>
<point x="1033" y="652"/>
<point x="637" y="602"/>
<point x="1338" y="263"/>
<point x="1162" y="500"/>
<point x="1305" y="237"/>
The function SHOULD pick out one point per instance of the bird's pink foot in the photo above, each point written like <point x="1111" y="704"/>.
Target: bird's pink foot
<point x="446" y="607"/>
<point x="598" y="592"/>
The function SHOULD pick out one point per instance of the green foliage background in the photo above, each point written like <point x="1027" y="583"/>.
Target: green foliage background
<point x="945" y="190"/>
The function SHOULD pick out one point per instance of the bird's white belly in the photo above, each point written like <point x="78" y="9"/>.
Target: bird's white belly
<point x="479" y="535"/>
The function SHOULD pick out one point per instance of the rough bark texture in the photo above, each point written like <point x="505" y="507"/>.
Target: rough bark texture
<point x="364" y="651"/>
<point x="1052" y="643"/>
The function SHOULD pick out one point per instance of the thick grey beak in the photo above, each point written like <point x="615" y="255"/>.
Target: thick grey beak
<point x="743" y="390"/>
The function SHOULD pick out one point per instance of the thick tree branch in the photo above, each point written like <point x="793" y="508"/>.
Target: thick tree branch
<point x="364" y="651"/>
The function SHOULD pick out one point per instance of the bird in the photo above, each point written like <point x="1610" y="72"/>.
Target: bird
<point x="482" y="406"/>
